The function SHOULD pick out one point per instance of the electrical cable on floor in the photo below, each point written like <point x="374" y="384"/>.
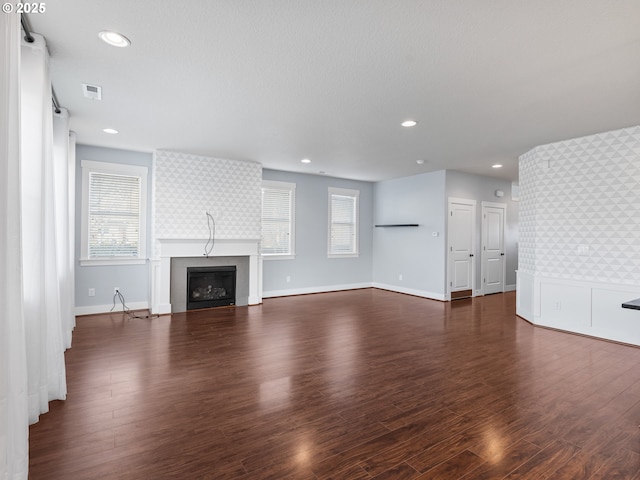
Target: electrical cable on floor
<point x="211" y="223"/>
<point x="126" y="310"/>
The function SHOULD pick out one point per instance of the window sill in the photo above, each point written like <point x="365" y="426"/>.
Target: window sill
<point x="115" y="261"/>
<point x="343" y="255"/>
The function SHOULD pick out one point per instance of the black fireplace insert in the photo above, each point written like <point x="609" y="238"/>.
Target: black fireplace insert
<point x="211" y="287"/>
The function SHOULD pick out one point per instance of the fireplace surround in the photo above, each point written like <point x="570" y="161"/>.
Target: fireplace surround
<point x="175" y="253"/>
<point x="180" y="267"/>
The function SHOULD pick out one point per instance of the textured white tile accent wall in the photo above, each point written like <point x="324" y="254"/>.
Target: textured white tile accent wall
<point x="580" y="208"/>
<point x="527" y="213"/>
<point x="185" y="186"/>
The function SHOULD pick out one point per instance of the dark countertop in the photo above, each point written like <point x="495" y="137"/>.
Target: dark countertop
<point x="633" y="304"/>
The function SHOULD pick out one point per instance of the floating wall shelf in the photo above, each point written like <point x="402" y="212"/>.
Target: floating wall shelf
<point x="400" y="225"/>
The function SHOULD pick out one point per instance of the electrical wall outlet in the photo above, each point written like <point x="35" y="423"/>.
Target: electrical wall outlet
<point x="116" y="290"/>
<point x="92" y="292"/>
<point x="400" y="277"/>
<point x="288" y="278"/>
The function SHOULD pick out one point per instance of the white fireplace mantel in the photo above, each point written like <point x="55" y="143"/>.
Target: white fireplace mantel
<point x="195" y="247"/>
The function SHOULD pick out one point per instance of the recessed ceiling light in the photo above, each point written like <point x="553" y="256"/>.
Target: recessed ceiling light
<point x="114" y="38"/>
<point x="112" y="131"/>
<point x="305" y="160"/>
<point x="420" y="162"/>
<point x="409" y="123"/>
<point x="497" y="165"/>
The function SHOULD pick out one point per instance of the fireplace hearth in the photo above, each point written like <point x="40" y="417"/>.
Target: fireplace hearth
<point x="213" y="286"/>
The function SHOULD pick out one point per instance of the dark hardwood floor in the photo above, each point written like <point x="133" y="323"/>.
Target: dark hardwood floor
<point x="347" y="385"/>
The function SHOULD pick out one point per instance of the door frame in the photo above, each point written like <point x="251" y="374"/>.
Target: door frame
<point x="503" y="207"/>
<point x="473" y="205"/>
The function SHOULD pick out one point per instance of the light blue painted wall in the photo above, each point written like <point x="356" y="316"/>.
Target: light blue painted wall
<point x="482" y="189"/>
<point x="133" y="280"/>
<point x="412" y="252"/>
<point x="385" y="253"/>
<point x="311" y="268"/>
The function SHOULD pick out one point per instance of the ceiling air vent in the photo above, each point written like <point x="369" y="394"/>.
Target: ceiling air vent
<point x="94" y="92"/>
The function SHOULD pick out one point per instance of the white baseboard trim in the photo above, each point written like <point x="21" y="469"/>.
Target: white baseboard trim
<point x="411" y="291"/>
<point x="320" y="289"/>
<point x="507" y="288"/>
<point x="93" y="309"/>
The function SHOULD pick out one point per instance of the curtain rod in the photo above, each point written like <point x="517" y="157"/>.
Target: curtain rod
<point x="25" y="26"/>
<point x="54" y="100"/>
<point x="29" y="39"/>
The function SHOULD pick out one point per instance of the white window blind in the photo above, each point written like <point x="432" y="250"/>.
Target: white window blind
<point x="114" y="215"/>
<point x="278" y="201"/>
<point x="343" y="223"/>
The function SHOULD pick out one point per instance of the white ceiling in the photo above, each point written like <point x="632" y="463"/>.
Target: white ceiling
<point x="275" y="81"/>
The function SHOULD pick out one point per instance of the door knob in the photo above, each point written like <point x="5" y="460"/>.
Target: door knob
<point x="471" y="254"/>
<point x="502" y="254"/>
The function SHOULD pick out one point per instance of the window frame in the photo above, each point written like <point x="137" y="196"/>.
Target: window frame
<point x="344" y="192"/>
<point x="89" y="167"/>
<point x="291" y="188"/>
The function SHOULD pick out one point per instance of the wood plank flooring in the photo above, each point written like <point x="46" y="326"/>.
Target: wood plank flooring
<point x="347" y="385"/>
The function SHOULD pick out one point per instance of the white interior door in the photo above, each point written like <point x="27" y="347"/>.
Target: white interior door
<point x="493" y="255"/>
<point x="461" y="229"/>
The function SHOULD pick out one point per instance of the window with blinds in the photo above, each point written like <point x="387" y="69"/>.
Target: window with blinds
<point x="114" y="215"/>
<point x="114" y="207"/>
<point x="343" y="222"/>
<point x="278" y="219"/>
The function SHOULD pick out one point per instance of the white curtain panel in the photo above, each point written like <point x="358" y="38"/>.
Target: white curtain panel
<point x="63" y="186"/>
<point x="45" y="338"/>
<point x="14" y="460"/>
<point x="69" y="316"/>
